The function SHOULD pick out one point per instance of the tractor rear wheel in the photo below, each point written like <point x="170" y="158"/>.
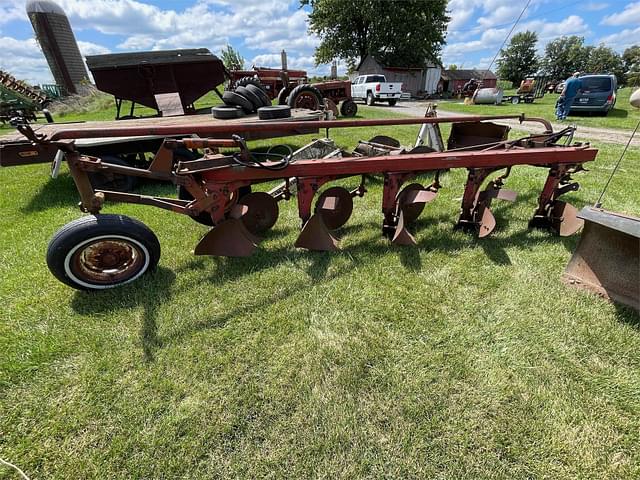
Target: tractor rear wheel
<point x="305" y="96"/>
<point x="348" y="108"/>
<point x="102" y="251"/>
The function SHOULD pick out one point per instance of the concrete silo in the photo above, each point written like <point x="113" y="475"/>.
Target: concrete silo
<point x="58" y="43"/>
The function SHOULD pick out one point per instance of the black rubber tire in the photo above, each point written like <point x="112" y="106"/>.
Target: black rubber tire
<point x="370" y="100"/>
<point x="349" y="108"/>
<point x="69" y="240"/>
<point x="261" y="94"/>
<point x="392" y="102"/>
<point x="283" y="95"/>
<point x="113" y="182"/>
<point x="233" y="98"/>
<point x="226" y="112"/>
<point x="245" y="81"/>
<point x="311" y="93"/>
<point x="249" y="95"/>
<point x="273" y="112"/>
<point x="47" y="115"/>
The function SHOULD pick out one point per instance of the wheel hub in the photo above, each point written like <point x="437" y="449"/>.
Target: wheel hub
<point x="107" y="261"/>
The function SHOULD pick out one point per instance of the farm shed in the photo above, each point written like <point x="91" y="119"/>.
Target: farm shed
<point x="454" y="80"/>
<point x="415" y="80"/>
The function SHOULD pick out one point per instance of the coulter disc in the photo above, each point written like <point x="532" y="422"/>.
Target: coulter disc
<point x="262" y="212"/>
<point x="407" y="201"/>
<point x="335" y="214"/>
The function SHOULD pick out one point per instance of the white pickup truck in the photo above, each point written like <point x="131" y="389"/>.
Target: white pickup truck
<point x="372" y="88"/>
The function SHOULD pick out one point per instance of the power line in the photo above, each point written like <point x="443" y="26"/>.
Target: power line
<point x="506" y="38"/>
<point x="541" y="14"/>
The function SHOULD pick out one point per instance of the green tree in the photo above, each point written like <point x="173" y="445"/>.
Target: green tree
<point x="564" y="56"/>
<point x="631" y="58"/>
<point x="232" y="58"/>
<point x="602" y="59"/>
<point x="519" y="58"/>
<point x="406" y="33"/>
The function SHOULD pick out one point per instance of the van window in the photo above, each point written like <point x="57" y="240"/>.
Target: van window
<point x="375" y="78"/>
<point x="596" y="84"/>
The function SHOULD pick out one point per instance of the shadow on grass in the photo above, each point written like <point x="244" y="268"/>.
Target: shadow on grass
<point x="150" y="292"/>
<point x="156" y="289"/>
<point x="56" y="192"/>
<point x="628" y="315"/>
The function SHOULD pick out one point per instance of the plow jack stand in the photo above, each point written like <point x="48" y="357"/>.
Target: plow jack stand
<point x="315" y="235"/>
<point x="230" y="238"/>
<point x="607" y="259"/>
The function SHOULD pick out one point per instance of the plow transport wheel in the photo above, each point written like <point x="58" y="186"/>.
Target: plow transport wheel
<point x="102" y="251"/>
<point x="337" y="216"/>
<point x="262" y="212"/>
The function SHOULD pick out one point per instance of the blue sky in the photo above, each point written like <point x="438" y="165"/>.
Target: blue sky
<point x="261" y="29"/>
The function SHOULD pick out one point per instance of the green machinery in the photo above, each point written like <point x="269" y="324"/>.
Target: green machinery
<point x="18" y="99"/>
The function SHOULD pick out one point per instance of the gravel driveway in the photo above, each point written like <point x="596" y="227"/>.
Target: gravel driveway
<point x="606" y="135"/>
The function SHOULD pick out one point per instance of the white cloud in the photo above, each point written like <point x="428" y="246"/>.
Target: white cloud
<point x="24" y="60"/>
<point x="622" y="39"/>
<point x="629" y="16"/>
<point x="90" y="48"/>
<point x="11" y="10"/>
<point x="595" y="6"/>
<point x="491" y="39"/>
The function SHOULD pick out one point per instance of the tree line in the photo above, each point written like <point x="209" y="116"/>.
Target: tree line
<point x="564" y="56"/>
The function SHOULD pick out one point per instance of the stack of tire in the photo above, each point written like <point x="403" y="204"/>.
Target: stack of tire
<point x="249" y="96"/>
<point x="309" y="97"/>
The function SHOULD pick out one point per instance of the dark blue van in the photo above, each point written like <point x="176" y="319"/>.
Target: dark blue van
<point x="597" y="95"/>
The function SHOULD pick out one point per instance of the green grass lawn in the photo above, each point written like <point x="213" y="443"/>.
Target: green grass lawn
<point x="622" y="116"/>
<point x="460" y="358"/>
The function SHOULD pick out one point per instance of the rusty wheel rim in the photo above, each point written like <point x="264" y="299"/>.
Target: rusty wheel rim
<point x="307" y="100"/>
<point x="108" y="261"/>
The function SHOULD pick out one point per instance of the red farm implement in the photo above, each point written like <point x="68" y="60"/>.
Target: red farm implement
<point x="101" y="251"/>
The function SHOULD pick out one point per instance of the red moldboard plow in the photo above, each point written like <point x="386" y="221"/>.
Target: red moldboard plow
<point x="217" y="185"/>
